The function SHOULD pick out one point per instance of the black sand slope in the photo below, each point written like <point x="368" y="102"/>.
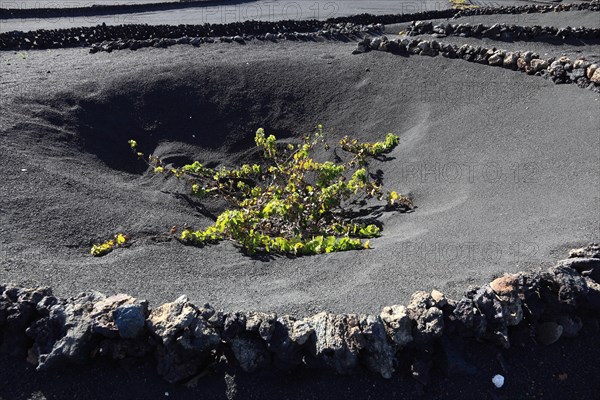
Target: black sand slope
<point x="503" y="168"/>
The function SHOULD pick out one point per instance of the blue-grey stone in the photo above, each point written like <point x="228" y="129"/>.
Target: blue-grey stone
<point x="130" y="320"/>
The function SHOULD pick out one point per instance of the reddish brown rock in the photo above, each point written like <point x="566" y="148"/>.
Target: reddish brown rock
<point x="505" y="286"/>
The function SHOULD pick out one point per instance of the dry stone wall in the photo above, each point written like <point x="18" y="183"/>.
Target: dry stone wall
<point x="87" y="36"/>
<point x="185" y="339"/>
<point x="584" y="73"/>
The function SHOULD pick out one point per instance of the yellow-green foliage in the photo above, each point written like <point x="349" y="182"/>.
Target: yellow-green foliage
<point x="462" y="4"/>
<point x="101" y="249"/>
<point x="290" y="204"/>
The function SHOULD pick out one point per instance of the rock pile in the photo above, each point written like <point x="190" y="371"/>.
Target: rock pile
<point x="593" y="5"/>
<point x="329" y="31"/>
<point x="57" y="12"/>
<point x="504" y="31"/>
<point x="366" y="19"/>
<point x="186" y="339"/>
<point x="585" y="74"/>
<point x="166" y="35"/>
<point x="86" y="36"/>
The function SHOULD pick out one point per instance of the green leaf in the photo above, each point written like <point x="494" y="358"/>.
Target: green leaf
<point x="291" y="203"/>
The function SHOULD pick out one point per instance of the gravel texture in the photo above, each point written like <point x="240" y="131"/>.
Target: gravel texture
<point x="502" y="166"/>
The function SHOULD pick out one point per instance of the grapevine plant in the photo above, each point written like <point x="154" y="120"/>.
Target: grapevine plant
<point x="102" y="249"/>
<point x="289" y="204"/>
<point x="462" y="4"/>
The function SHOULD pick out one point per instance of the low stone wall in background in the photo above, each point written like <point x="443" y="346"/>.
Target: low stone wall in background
<point x="583" y="73"/>
<point x="87" y="36"/>
<point x="186" y="339"/>
<point x="505" y="32"/>
<point x="91" y="9"/>
<point x="340" y="31"/>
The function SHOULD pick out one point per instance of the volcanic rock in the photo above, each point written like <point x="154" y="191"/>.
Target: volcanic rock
<point x="397" y="324"/>
<point x="495" y="60"/>
<point x="590" y="251"/>
<point x="377" y="352"/>
<point x="170" y="319"/>
<point x="65" y="335"/>
<point x="429" y="319"/>
<point x="549" y="332"/>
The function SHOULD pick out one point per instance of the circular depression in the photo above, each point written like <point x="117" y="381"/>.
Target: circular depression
<point x="502" y="166"/>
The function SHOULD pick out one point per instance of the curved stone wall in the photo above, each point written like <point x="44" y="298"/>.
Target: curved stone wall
<point x="186" y="339"/>
<point x="86" y="36"/>
<point x="583" y="73"/>
<point x="505" y="32"/>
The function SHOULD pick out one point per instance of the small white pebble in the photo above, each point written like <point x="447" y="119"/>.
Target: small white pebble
<point x="498" y="381"/>
<point x="23" y="169"/>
